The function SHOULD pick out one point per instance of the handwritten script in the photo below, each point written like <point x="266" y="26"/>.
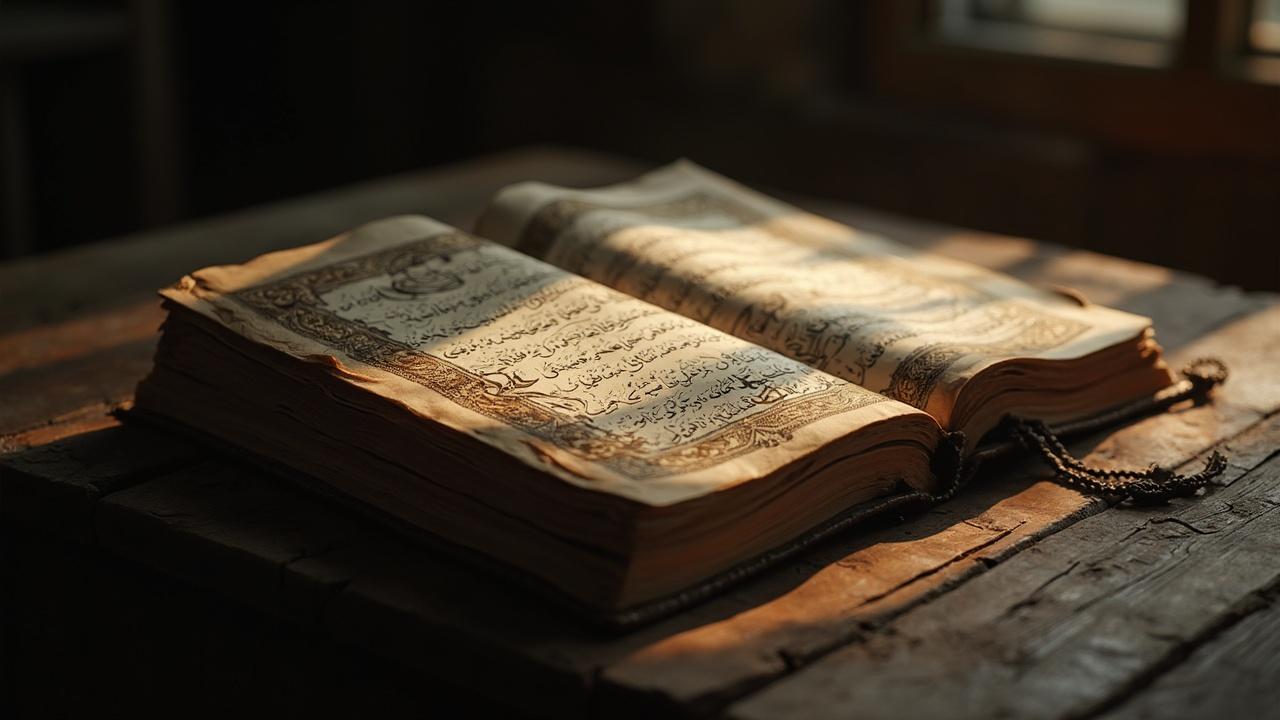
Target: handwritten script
<point x="585" y="351"/>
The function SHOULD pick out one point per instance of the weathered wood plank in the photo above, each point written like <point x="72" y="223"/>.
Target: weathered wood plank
<point x="32" y="396"/>
<point x="223" y="525"/>
<point x="56" y="342"/>
<point x="865" y="579"/>
<point x="63" y="378"/>
<point x="53" y="487"/>
<point x="1072" y="623"/>
<point x="1231" y="676"/>
<point x="86" y="419"/>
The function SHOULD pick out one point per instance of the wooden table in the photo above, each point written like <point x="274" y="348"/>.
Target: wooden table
<point x="141" y="571"/>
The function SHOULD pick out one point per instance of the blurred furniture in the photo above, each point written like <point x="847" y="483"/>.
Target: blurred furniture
<point x="144" y="573"/>
<point x="33" y="33"/>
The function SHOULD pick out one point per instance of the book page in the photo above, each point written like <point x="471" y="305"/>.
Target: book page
<point x="905" y="324"/>
<point x="599" y="388"/>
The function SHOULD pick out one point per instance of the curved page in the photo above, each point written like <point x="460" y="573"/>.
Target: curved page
<point x="911" y="326"/>
<point x="591" y="385"/>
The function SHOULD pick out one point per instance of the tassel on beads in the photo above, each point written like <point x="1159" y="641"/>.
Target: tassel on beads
<point x="1152" y="485"/>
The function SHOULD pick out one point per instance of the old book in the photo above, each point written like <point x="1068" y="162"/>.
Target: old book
<point x="669" y="384"/>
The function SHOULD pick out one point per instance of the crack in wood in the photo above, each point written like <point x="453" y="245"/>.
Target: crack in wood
<point x="330" y="588"/>
<point x="1183" y="523"/>
<point x="1034" y="598"/>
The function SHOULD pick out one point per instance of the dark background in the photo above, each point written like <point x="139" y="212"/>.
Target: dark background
<point x="1161" y="145"/>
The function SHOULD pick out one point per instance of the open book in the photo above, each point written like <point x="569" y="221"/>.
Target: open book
<point x="663" y="382"/>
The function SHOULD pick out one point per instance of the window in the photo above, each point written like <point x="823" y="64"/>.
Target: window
<point x="1187" y="76"/>
<point x="1145" y="19"/>
<point x="1139" y="33"/>
<point x="1264" y="28"/>
<point x="1243" y="35"/>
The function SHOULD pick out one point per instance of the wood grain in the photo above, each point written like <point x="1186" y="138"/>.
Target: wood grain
<point x="89" y="418"/>
<point x="1232" y="675"/>
<point x="52" y="488"/>
<point x="55" y="342"/>
<point x="1073" y="623"/>
<point x="104" y="378"/>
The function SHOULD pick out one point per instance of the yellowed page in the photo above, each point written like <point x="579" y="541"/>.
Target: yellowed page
<point x="601" y="389"/>
<point x="911" y="326"/>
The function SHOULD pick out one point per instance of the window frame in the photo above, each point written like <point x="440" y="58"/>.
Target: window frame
<point x="1206" y="96"/>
